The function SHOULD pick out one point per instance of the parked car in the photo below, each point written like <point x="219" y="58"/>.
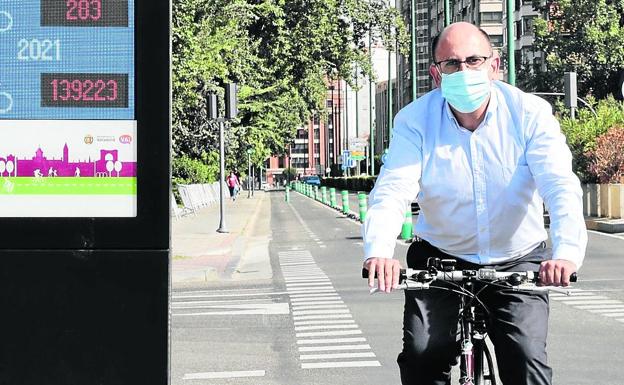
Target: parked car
<point x="311" y="179"/>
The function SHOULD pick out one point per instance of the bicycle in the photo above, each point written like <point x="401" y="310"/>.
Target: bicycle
<point x="476" y="360"/>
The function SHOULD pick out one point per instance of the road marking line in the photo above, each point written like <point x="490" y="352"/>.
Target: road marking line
<point x="581" y="298"/>
<point x="330" y="340"/>
<point x="322" y="246"/>
<point x="259" y="309"/>
<point x="325" y="312"/>
<point x="585" y="307"/>
<point x="328" y="334"/>
<point x="606" y="235"/>
<point x="345" y="364"/>
<point x="326" y="302"/>
<point x="325" y="327"/>
<point x="312" y="291"/>
<point x="336" y="355"/>
<point x="211" y="375"/>
<point x="294" y="297"/>
<point x="573" y="294"/>
<point x="309" y="307"/>
<point x="333" y="347"/>
<point x="315" y="299"/>
<point x="324" y="322"/>
<point x="322" y="316"/>
<point x="620" y="319"/>
<point x="256" y="300"/>
<point x="308" y="284"/>
<point x="597" y="302"/>
<point x="229" y="295"/>
<point x="614" y="315"/>
<point x="614" y="310"/>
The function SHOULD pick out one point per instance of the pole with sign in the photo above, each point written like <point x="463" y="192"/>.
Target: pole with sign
<point x="85" y="199"/>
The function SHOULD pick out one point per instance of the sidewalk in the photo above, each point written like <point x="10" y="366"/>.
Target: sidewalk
<point x="202" y="255"/>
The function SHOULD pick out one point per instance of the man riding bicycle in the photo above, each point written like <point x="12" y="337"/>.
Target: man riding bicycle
<point x="482" y="157"/>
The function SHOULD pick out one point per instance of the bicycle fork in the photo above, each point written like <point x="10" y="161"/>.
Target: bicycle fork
<point x="467" y="350"/>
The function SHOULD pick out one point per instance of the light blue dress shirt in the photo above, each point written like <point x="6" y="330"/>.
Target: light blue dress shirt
<point x="481" y="193"/>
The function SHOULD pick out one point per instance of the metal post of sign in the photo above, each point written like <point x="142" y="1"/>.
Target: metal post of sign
<point x="222" y="228"/>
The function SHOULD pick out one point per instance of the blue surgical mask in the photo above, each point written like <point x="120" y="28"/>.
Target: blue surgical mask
<point x="466" y="90"/>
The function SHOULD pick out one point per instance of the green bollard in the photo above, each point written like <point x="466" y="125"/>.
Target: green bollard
<point x="332" y="197"/>
<point x="345" y="202"/>
<point x="316" y="193"/>
<point x="407" y="229"/>
<point x="324" y="195"/>
<point x="287" y="195"/>
<point x="362" y="205"/>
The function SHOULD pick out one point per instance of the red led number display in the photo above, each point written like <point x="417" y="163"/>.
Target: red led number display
<point x="83" y="10"/>
<point x="96" y="90"/>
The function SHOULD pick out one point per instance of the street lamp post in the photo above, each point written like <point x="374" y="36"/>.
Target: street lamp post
<point x="249" y="181"/>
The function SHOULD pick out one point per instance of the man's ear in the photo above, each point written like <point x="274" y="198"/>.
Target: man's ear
<point x="435" y="75"/>
<point x="495" y="66"/>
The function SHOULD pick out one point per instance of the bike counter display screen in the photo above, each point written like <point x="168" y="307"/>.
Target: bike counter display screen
<point x="67" y="108"/>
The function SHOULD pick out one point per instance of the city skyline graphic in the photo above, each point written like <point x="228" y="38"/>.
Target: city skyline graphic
<point x="108" y="165"/>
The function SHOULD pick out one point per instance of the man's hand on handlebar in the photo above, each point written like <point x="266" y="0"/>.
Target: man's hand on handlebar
<point x="386" y="270"/>
<point x="556" y="272"/>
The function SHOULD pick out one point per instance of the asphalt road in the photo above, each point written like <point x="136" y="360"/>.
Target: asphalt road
<point x="315" y="322"/>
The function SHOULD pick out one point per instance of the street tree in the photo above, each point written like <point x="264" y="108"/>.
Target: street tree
<point x="585" y="36"/>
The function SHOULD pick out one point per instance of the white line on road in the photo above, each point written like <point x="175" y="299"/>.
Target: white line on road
<point x="325" y="322"/>
<point x="322" y="316"/>
<point x="613" y="310"/>
<point x="581" y="298"/>
<point x="336" y="355"/>
<point x="320" y="302"/>
<point x="324" y="327"/>
<point x="297" y="308"/>
<point x="328" y="334"/>
<point x="312" y="291"/>
<point x="606" y="235"/>
<point x="329" y="312"/>
<point x="294" y="297"/>
<point x="331" y="341"/>
<point x="229" y="295"/>
<point x="333" y="348"/>
<point x="212" y="375"/>
<point x="573" y="294"/>
<point x="598" y="302"/>
<point x="585" y="307"/>
<point x="304" y="284"/>
<point x="614" y="315"/>
<point x="315" y="299"/>
<point x="345" y="364"/>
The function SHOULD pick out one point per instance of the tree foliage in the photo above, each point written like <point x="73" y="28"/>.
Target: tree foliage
<point x="282" y="53"/>
<point x="585" y="36"/>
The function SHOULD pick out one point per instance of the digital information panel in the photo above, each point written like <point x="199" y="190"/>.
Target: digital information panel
<point x="67" y="108"/>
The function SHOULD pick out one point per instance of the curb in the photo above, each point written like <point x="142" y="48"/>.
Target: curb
<point x="605" y="225"/>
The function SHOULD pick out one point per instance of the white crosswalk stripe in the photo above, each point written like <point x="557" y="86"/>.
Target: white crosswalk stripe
<point x="196" y="303"/>
<point x="595" y="303"/>
<point x="326" y="333"/>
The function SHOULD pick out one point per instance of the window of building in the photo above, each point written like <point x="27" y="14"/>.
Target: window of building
<point x="317" y="148"/>
<point x="491" y="17"/>
<point x="527" y="25"/>
<point x="280" y="162"/>
<point x="330" y="103"/>
<point x="497" y="40"/>
<point x="317" y="119"/>
<point x="517" y="29"/>
<point x="317" y="133"/>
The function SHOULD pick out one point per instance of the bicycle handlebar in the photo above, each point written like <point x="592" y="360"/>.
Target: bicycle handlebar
<point x="483" y="274"/>
<point x="517" y="280"/>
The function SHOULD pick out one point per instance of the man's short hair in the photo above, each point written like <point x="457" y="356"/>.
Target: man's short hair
<point x="436" y="38"/>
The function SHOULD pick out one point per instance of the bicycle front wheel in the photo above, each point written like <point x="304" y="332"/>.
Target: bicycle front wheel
<point x="484" y="373"/>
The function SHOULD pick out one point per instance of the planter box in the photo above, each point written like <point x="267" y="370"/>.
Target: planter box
<point x="603" y="200"/>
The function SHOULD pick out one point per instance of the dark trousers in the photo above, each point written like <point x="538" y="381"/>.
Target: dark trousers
<point x="517" y="326"/>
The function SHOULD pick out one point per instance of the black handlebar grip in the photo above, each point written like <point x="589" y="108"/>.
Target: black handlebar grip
<point x="365" y="273"/>
<point x="573" y="277"/>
